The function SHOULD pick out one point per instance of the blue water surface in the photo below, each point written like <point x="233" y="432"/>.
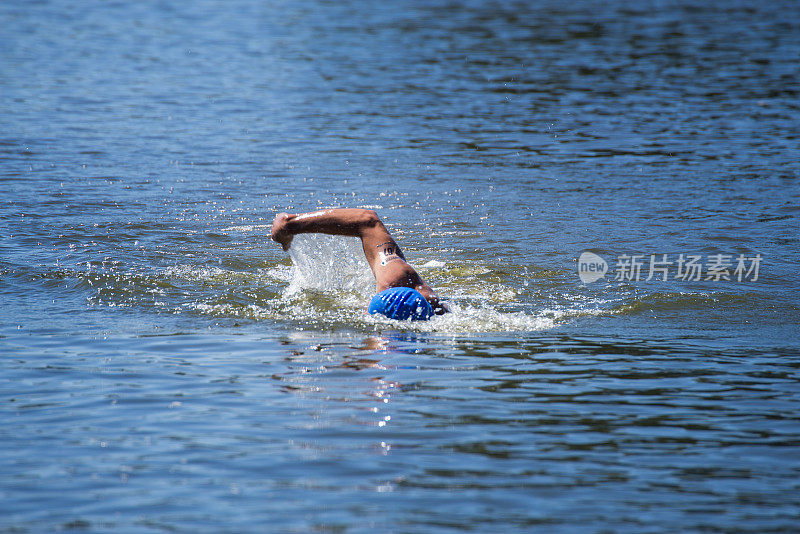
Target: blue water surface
<point x="165" y="367"/>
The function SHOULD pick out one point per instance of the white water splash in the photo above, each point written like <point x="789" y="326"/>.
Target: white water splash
<point x="329" y="263"/>
<point x="329" y="284"/>
<point x="334" y="270"/>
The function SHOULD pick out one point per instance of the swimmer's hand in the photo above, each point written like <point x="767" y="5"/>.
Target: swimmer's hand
<point x="439" y="307"/>
<point x="280" y="231"/>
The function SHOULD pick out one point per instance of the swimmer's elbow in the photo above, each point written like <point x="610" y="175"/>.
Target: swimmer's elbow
<point x="368" y="217"/>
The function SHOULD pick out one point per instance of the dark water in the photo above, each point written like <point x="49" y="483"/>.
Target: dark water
<point x="165" y="367"/>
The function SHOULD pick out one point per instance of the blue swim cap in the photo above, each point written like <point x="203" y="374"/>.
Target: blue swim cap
<point x="401" y="303"/>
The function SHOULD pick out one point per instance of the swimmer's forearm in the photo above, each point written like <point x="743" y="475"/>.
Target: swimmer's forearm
<point x="340" y="221"/>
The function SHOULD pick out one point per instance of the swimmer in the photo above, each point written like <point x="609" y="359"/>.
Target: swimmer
<point x="401" y="292"/>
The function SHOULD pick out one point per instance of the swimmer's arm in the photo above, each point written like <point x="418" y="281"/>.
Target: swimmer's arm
<point x="352" y="222"/>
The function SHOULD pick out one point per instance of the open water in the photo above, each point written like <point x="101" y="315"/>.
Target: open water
<point x="164" y="367"/>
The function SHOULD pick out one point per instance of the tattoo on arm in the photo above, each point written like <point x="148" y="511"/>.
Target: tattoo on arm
<point x="389" y="251"/>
